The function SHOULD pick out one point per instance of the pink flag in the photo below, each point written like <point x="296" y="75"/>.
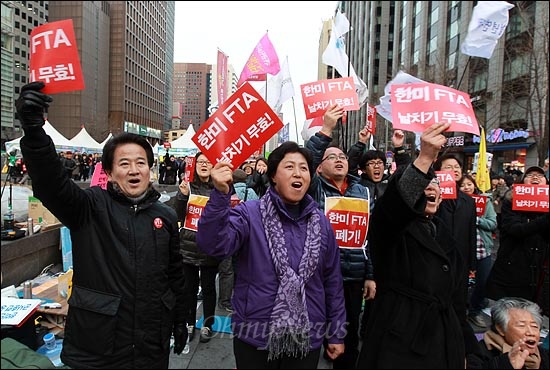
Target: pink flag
<point x="263" y="59"/>
<point x="222" y="77"/>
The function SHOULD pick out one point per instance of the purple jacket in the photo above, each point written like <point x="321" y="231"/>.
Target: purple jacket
<point x="224" y="231"/>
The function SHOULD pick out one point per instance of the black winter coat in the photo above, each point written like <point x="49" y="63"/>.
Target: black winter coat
<point x="522" y="254"/>
<point x="128" y="273"/>
<point x="418" y="319"/>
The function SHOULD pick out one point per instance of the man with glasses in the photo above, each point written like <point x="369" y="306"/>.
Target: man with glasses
<point x="521" y="267"/>
<point x="333" y="180"/>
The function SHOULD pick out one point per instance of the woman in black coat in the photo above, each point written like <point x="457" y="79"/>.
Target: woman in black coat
<point x="418" y="318"/>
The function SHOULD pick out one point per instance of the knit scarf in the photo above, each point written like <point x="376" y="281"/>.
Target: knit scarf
<point x="494" y="340"/>
<point x="289" y="322"/>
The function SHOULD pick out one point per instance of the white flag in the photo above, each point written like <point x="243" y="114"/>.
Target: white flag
<point x="279" y="88"/>
<point x="489" y="20"/>
<point x="335" y="55"/>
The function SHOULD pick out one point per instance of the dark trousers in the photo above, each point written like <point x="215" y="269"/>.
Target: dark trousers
<point x="226" y="281"/>
<point x="249" y="357"/>
<point x="207" y="280"/>
<point x="353" y="297"/>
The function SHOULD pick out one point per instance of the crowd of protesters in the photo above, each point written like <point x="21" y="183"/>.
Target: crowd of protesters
<point x="297" y="293"/>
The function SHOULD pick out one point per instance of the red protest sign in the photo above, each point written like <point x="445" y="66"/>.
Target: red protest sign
<point x="54" y="57"/>
<point x="447" y="184"/>
<point x="318" y="96"/>
<point x="371" y="119"/>
<point x="349" y="218"/>
<point x="481" y="204"/>
<point x="419" y="105"/>
<point x="238" y="128"/>
<point x="189" y="174"/>
<point x="530" y="197"/>
<point x="99" y="178"/>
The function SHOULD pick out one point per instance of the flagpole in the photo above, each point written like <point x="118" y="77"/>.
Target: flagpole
<point x="295" y="123"/>
<point x="463" y="73"/>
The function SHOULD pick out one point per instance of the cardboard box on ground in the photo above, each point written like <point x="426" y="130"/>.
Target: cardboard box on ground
<point x="40" y="214"/>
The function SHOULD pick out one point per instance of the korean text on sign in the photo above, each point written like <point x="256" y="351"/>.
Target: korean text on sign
<point x="54" y="57"/>
<point x="349" y="218"/>
<point x="530" y="198"/>
<point x="318" y="96"/>
<point x="238" y="128"/>
<point x="419" y="105"/>
<point x="195" y="206"/>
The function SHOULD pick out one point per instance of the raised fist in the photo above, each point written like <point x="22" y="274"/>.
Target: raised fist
<point x="32" y="104"/>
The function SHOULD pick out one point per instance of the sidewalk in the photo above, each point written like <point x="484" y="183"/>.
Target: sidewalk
<point x="216" y="354"/>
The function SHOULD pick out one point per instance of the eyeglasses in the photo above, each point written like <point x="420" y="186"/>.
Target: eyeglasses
<point x="375" y="164"/>
<point x="435" y="181"/>
<point x="534" y="174"/>
<point x="203" y="163"/>
<point x="336" y="157"/>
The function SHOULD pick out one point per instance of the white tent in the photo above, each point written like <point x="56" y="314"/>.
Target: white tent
<point x="102" y="144"/>
<point x="58" y="139"/>
<point x="84" y="140"/>
<point x="184" y="141"/>
<point x="182" y="146"/>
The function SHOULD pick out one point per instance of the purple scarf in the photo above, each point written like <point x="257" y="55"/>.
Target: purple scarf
<point x="289" y="323"/>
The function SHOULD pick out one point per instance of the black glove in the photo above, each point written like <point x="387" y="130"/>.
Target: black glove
<point x="32" y="104"/>
<point x="180" y="337"/>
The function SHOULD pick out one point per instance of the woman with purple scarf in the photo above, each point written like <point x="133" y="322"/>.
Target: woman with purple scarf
<point x="288" y="295"/>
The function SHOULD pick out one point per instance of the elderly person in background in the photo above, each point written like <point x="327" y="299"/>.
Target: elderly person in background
<point x="513" y="340"/>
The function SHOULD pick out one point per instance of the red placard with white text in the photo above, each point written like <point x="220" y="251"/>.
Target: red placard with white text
<point x="419" y="105"/>
<point x="530" y="198"/>
<point x="320" y="95"/>
<point x="189" y="174"/>
<point x="238" y="128"/>
<point x="54" y="57"/>
<point x="371" y="119"/>
<point x="99" y="177"/>
<point x="447" y="184"/>
<point x="195" y="206"/>
<point x="481" y="204"/>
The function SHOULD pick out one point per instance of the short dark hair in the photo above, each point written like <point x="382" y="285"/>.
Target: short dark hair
<point x="369" y="155"/>
<point x="279" y="153"/>
<point x="108" y="156"/>
<point x="437" y="164"/>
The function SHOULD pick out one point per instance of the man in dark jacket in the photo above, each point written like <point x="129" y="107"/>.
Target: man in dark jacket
<point x="333" y="180"/>
<point x="127" y="296"/>
<point x="418" y="318"/>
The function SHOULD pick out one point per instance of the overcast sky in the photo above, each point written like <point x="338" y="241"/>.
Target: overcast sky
<point x="235" y="27"/>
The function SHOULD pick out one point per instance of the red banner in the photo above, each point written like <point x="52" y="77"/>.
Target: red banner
<point x="530" y="198"/>
<point x="371" y="119"/>
<point x="447" y="184"/>
<point x="318" y="96"/>
<point x="54" y="57"/>
<point x="222" y="77"/>
<point x="481" y="204"/>
<point x="419" y="105"/>
<point x="238" y="128"/>
<point x="189" y="174"/>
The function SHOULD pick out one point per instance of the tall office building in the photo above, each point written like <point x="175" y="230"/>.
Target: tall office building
<point x="125" y="49"/>
<point x="423" y="38"/>
<point x="18" y="20"/>
<point x="192" y="86"/>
